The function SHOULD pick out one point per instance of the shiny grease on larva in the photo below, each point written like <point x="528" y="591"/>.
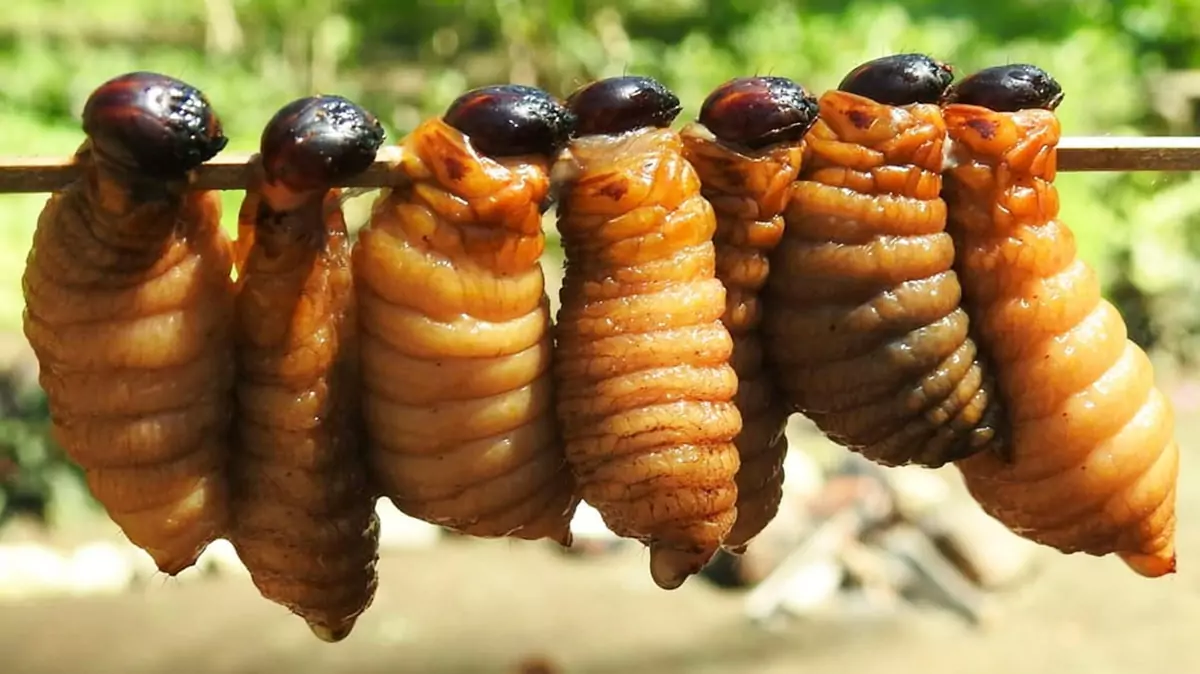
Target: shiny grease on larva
<point x="457" y="345"/>
<point x="128" y="299"/>
<point x="878" y="355"/>
<point x="747" y="148"/>
<point x="304" y="523"/>
<point x="642" y="359"/>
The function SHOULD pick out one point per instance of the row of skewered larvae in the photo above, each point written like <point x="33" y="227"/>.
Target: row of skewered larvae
<point x="913" y="321"/>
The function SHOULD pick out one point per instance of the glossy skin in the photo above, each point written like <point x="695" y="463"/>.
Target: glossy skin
<point x="863" y="324"/>
<point x="757" y="112"/>
<point x="747" y="147"/>
<point x="304" y="517"/>
<point x="511" y="120"/>
<point x="1094" y="461"/>
<point x="1008" y="88"/>
<point x="315" y="142"/>
<point x="619" y="104"/>
<point x="457" y="344"/>
<point x="899" y="80"/>
<point x="152" y="124"/>
<point x="128" y="310"/>
<point x="642" y="360"/>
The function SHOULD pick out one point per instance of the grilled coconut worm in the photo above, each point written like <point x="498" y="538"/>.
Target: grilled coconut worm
<point x="747" y="146"/>
<point x="128" y="311"/>
<point x="646" y="389"/>
<point x="456" y="344"/>
<point x="1094" y="459"/>
<point x="863" y="327"/>
<point x="304" y="518"/>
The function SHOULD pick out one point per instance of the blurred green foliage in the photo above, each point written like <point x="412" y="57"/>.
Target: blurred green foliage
<point x="408" y="60"/>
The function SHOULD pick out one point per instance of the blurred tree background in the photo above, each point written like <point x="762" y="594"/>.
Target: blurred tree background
<point x="1125" y="65"/>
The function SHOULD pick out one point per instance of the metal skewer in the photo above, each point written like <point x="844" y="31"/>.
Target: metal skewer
<point x="228" y="171"/>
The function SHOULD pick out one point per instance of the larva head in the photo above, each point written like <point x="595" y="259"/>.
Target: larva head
<point x="315" y="142"/>
<point x="620" y="104"/>
<point x="510" y="120"/>
<point x="1009" y="88"/>
<point x="900" y="79"/>
<point x="756" y="112"/>
<point x="152" y="124"/>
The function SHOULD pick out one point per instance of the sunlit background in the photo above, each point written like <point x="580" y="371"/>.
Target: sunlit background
<point x="939" y="589"/>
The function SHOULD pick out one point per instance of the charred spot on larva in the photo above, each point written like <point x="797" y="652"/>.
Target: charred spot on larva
<point x="900" y="79"/>
<point x="756" y="112"/>
<point x="1009" y="88"/>
<point x="986" y="128"/>
<point x="511" y="120"/>
<point x="317" y="141"/>
<point x="620" y="104"/>
<point x="152" y="124"/>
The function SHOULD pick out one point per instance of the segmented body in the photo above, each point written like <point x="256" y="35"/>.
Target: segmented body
<point x="863" y="325"/>
<point x="304" y="518"/>
<point x="128" y="310"/>
<point x="457" y="347"/>
<point x="748" y="192"/>
<point x="1094" y="459"/>
<point x="646" y="391"/>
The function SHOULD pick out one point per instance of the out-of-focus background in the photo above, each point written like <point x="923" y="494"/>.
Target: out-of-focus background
<point x="865" y="570"/>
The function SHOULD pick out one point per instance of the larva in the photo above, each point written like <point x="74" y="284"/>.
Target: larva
<point x="646" y="390"/>
<point x="1094" y="460"/>
<point x="456" y="344"/>
<point x="304" y="520"/>
<point x="129" y="303"/>
<point x="863" y="326"/>
<point x="747" y="147"/>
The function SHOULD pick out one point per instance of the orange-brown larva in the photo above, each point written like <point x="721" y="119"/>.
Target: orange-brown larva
<point x="128" y="309"/>
<point x="863" y="326"/>
<point x="1094" y="461"/>
<point x="747" y="146"/>
<point x="456" y="343"/>
<point x="645" y="385"/>
<point x="304" y="519"/>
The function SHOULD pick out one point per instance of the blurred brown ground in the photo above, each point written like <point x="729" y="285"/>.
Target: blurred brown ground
<point x="468" y="606"/>
<point x="473" y="606"/>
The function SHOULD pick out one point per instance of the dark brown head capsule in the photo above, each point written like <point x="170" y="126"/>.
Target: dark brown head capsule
<point x="1010" y="88"/>
<point x="509" y="120"/>
<point x="755" y="112"/>
<point x="315" y="142"/>
<point x="900" y="79"/>
<point x="153" y="124"/>
<point x="620" y="104"/>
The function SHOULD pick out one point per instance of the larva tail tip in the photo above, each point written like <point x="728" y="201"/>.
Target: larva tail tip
<point x="331" y="634"/>
<point x="564" y="537"/>
<point x="172" y="564"/>
<point x="1151" y="566"/>
<point x="671" y="567"/>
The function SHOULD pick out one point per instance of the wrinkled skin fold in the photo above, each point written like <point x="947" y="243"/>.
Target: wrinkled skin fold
<point x="456" y="344"/>
<point x="1094" y="459"/>
<point x="863" y="323"/>
<point x="304" y="519"/>
<point x="646" y="389"/>
<point x="748" y="191"/>
<point x="128" y="311"/>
